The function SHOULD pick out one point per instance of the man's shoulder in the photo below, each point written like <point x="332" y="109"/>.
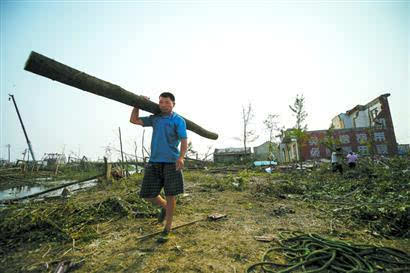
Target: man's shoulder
<point x="152" y="116"/>
<point x="178" y="117"/>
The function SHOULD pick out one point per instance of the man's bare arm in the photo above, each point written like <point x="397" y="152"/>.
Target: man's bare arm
<point x="184" y="147"/>
<point x="180" y="160"/>
<point x="135" y="117"/>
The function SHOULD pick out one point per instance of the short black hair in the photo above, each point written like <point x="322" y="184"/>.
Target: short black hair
<point x="168" y="95"/>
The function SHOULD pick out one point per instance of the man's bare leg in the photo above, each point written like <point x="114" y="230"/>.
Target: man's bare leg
<point x="159" y="201"/>
<point x="170" y="208"/>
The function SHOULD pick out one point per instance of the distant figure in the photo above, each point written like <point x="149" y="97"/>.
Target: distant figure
<point x="337" y="160"/>
<point x="351" y="160"/>
<point x="65" y="192"/>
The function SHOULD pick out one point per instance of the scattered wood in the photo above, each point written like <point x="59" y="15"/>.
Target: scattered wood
<point x="10" y="169"/>
<point x="265" y="238"/>
<point x="227" y="169"/>
<point x="216" y="216"/>
<point x="212" y="217"/>
<point x="66" y="266"/>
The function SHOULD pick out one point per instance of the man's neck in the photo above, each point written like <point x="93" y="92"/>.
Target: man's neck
<point x="166" y="114"/>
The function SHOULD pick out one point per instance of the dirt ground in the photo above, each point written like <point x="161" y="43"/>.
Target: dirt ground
<point x="225" y="245"/>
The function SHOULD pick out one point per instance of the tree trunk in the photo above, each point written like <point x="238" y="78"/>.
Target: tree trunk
<point x="56" y="71"/>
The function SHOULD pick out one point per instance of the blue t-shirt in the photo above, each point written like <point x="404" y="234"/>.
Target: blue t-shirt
<point x="167" y="133"/>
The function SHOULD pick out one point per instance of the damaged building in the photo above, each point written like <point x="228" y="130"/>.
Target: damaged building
<point x="232" y="155"/>
<point x="364" y="129"/>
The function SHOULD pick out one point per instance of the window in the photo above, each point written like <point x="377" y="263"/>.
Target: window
<point x="313" y="141"/>
<point x="380" y="123"/>
<point x="344" y="139"/>
<point x="361" y="138"/>
<point x="347" y="149"/>
<point x="363" y="150"/>
<point x="373" y="113"/>
<point x="379" y="136"/>
<point x="315" y="152"/>
<point x="381" y="149"/>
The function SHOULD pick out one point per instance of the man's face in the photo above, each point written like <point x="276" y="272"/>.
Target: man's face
<point x="166" y="105"/>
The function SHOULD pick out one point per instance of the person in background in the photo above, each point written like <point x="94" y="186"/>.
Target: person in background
<point x="336" y="160"/>
<point x="351" y="160"/>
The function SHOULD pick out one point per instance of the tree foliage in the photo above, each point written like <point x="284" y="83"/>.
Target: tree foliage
<point x="272" y="125"/>
<point x="299" y="130"/>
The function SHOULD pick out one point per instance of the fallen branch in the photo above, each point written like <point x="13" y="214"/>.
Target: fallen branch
<point x="48" y="190"/>
<point x="212" y="217"/>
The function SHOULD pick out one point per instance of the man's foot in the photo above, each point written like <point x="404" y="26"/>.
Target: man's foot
<point x="163" y="237"/>
<point x="161" y="215"/>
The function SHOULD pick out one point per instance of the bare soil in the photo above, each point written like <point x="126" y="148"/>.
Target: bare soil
<point x="226" y="245"/>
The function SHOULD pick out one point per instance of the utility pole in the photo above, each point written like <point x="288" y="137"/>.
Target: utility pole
<point x="22" y="125"/>
<point x="8" y="147"/>
<point x="122" y="154"/>
<point x="124" y="165"/>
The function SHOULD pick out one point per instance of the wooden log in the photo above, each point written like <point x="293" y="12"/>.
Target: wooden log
<point x="107" y="168"/>
<point x="56" y="71"/>
<point x="10" y="169"/>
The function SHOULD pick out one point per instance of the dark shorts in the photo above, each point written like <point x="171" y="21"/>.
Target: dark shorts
<point x="161" y="175"/>
<point x="352" y="165"/>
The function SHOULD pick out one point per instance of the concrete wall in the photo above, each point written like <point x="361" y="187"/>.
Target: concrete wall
<point x="342" y="121"/>
<point x="261" y="152"/>
<point x="355" y="139"/>
<point x="360" y="119"/>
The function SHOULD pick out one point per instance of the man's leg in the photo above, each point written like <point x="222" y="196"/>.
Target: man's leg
<point x="159" y="201"/>
<point x="170" y="207"/>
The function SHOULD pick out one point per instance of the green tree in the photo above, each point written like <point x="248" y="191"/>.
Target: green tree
<point x="271" y="125"/>
<point x="299" y="130"/>
<point x="329" y="140"/>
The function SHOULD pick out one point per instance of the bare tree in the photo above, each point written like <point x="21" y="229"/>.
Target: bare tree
<point x="190" y="150"/>
<point x="135" y="151"/>
<point x="208" y="153"/>
<point x="249" y="135"/>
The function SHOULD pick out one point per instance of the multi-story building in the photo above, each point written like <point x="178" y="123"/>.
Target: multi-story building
<point x="365" y="129"/>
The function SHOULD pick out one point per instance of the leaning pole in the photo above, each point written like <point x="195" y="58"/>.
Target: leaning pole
<point x="56" y="71"/>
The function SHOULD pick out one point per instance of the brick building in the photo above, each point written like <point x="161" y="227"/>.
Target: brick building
<point x="364" y="129"/>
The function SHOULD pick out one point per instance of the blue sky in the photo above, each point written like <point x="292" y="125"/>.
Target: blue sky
<point x="215" y="56"/>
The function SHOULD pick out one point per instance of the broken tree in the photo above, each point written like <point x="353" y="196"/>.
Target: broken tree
<point x="56" y="71"/>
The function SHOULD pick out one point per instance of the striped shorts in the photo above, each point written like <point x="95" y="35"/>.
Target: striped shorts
<point x="161" y="175"/>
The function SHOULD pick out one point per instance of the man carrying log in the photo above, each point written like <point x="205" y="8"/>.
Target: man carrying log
<point x="164" y="169"/>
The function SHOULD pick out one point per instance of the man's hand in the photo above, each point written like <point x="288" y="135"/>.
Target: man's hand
<point x="180" y="163"/>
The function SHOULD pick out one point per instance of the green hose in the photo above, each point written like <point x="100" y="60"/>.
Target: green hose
<point x="311" y="253"/>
